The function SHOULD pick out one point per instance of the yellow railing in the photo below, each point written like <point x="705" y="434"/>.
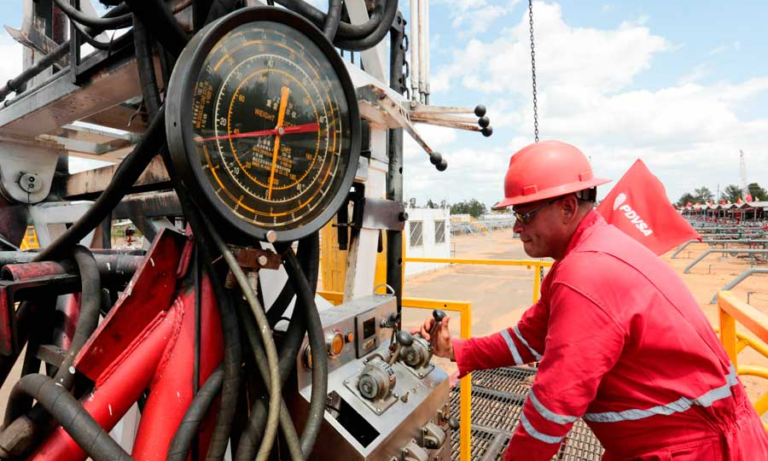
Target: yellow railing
<point x="537" y="266"/>
<point x="734" y="310"/>
<point x="465" y="331"/>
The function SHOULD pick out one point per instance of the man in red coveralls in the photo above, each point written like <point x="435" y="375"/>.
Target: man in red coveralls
<point x="621" y="341"/>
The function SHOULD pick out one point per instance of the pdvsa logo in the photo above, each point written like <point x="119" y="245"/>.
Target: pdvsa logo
<point x="621" y="198"/>
<point x="631" y="215"/>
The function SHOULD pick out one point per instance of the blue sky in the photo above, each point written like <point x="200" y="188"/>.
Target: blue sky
<point x="683" y="85"/>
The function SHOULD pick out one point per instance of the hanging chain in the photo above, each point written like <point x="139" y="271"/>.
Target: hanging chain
<point x="533" y="75"/>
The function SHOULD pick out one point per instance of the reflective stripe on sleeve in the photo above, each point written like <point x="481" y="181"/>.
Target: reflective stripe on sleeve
<point x="536" y="434"/>
<point x="525" y="343"/>
<point x="511" y="346"/>
<point x="678" y="406"/>
<point x="549" y="415"/>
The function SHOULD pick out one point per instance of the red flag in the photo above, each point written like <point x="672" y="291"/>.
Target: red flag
<point x="749" y="197"/>
<point x="738" y="201"/>
<point x="689" y="204"/>
<point x="723" y="202"/>
<point x="638" y="205"/>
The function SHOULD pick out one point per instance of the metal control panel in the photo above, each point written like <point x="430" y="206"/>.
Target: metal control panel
<point x="377" y="407"/>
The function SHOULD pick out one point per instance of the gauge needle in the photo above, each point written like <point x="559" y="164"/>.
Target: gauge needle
<point x="284" y="92"/>
<point x="305" y="128"/>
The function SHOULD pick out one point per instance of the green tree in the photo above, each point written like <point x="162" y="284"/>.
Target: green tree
<point x="732" y="193"/>
<point x="687" y="197"/>
<point x="757" y="192"/>
<point x="702" y="195"/>
<point x="474" y="208"/>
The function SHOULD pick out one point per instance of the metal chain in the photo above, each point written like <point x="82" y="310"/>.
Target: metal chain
<point x="533" y="75"/>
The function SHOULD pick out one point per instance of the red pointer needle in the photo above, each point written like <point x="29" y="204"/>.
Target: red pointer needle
<point x="306" y="128"/>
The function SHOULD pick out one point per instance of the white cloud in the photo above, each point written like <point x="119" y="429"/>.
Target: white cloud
<point x="607" y="8"/>
<point x="734" y="46"/>
<point x="688" y="133"/>
<point x="470" y="17"/>
<point x="11" y="53"/>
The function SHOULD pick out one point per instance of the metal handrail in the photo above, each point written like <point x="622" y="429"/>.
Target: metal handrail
<point x="718" y="241"/>
<point x="724" y="251"/>
<point x="465" y="394"/>
<point x="537" y="266"/>
<point x="738" y="280"/>
<point x="732" y="310"/>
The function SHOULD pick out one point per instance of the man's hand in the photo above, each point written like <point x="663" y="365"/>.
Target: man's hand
<point x="441" y="342"/>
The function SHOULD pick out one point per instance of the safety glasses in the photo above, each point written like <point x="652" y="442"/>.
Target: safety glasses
<point x="526" y="218"/>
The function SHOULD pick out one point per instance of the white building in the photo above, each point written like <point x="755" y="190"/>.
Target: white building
<point x="427" y="235"/>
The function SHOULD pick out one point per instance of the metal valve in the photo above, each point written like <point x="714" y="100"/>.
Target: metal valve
<point x="434" y="435"/>
<point x="377" y="380"/>
<point x="413" y="452"/>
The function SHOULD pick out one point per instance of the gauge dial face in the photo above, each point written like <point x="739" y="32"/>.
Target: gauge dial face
<point x="272" y="130"/>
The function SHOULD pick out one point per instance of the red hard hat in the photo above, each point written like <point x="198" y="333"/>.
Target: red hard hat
<point x="544" y="170"/>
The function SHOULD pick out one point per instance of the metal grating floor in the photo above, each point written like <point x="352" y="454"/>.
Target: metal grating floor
<point x="497" y="400"/>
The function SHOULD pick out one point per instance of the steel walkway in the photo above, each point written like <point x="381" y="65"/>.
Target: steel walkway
<point x="497" y="402"/>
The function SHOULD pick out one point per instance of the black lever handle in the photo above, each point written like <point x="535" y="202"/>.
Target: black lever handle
<point x="404" y="338"/>
<point x="438" y="315"/>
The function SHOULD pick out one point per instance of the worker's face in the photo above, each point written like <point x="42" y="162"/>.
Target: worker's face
<point x="544" y="233"/>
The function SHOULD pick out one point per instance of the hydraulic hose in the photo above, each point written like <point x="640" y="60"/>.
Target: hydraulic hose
<point x="131" y="169"/>
<point x="372" y="39"/>
<point x="345" y="30"/>
<point x="75" y="420"/>
<point x="117" y="22"/>
<point x="319" y="359"/>
<point x="147" y="79"/>
<point x="266" y="336"/>
<point x="156" y="16"/>
<point x="90" y="308"/>
<point x="332" y="19"/>
<point x="229" y="324"/>
<point x="309" y="258"/>
<point x="194" y="415"/>
<point x="291" y="344"/>
<point x="246" y="449"/>
<point x="117" y="43"/>
<point x="17" y="84"/>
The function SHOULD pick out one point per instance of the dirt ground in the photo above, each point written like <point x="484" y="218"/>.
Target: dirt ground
<point x="500" y="295"/>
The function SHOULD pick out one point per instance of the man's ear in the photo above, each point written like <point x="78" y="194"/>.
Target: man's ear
<point x="569" y="206"/>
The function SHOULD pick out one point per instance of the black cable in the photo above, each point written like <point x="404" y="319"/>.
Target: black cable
<point x="16" y="84"/>
<point x="332" y="19"/>
<point x="372" y="39"/>
<point x="132" y="167"/>
<point x="194" y="415"/>
<point x="164" y="26"/>
<point x="142" y="45"/>
<point x="114" y="44"/>
<point x="75" y="15"/>
<point x="230" y="330"/>
<point x="346" y="30"/>
<point x="220" y="8"/>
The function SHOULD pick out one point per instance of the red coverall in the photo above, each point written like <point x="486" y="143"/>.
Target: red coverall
<point x="624" y="345"/>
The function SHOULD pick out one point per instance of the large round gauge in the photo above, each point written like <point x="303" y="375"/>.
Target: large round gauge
<point x="263" y="125"/>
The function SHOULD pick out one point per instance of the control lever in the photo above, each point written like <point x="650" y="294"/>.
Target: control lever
<point x="438" y="315"/>
<point x="404" y="339"/>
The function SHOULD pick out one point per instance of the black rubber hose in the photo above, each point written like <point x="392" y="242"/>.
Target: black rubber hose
<point x="304" y="313"/>
<point x="230" y="330"/>
<point x="373" y="39"/>
<point x="319" y="357"/>
<point x="309" y="258"/>
<point x="75" y="420"/>
<point x="185" y="434"/>
<point x="114" y="44"/>
<point x="332" y="19"/>
<point x="246" y="449"/>
<point x="117" y="22"/>
<point x="132" y="167"/>
<point x="159" y="19"/>
<point x="147" y="79"/>
<point x="345" y="30"/>
<point x="17" y="83"/>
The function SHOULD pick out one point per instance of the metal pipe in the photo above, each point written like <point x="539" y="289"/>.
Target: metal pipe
<point x="715" y="242"/>
<point x="426" y="52"/>
<point x="422" y="12"/>
<point x="414" y="50"/>
<point x="738" y="280"/>
<point x="724" y="251"/>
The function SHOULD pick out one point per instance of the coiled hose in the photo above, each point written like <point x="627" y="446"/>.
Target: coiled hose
<point x="75" y="15"/>
<point x="159" y="19"/>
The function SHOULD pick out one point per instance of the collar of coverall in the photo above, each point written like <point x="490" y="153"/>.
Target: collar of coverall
<point x="591" y="219"/>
